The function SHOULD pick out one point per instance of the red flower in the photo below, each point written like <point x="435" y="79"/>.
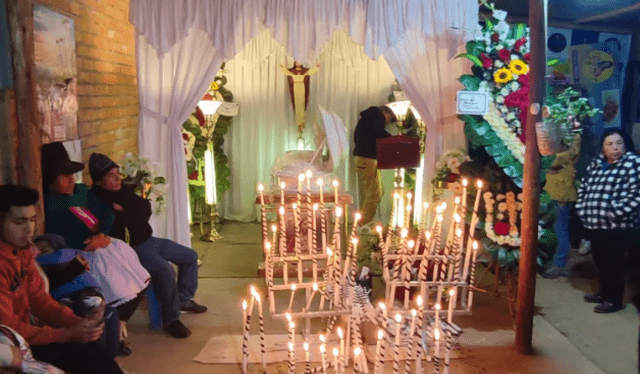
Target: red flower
<point x="517" y="98"/>
<point x="194" y="175"/>
<point x="524" y="80"/>
<point x="451" y="178"/>
<point x="185" y="136"/>
<point x="519" y="43"/>
<point x="486" y="61"/>
<point x="495" y="37"/>
<point x="501" y="228"/>
<point x="527" y="57"/>
<point x="504" y="55"/>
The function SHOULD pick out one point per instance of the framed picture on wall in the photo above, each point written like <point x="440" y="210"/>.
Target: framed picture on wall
<point x="6" y="74"/>
<point x="56" y="74"/>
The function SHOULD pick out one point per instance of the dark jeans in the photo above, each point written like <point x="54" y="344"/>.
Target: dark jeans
<point x="609" y="249"/>
<point x="77" y="358"/>
<point x="126" y="310"/>
<point x="155" y="255"/>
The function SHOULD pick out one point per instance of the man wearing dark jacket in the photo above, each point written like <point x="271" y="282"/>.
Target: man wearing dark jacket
<point x="370" y="128"/>
<point x="132" y="214"/>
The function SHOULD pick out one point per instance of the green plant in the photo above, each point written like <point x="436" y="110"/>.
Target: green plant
<point x="569" y="110"/>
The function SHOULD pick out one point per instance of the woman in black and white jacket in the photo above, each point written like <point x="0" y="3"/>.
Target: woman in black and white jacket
<point x="608" y="201"/>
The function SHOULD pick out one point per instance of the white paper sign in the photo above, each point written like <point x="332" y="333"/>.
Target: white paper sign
<point x="228" y="109"/>
<point x="472" y="102"/>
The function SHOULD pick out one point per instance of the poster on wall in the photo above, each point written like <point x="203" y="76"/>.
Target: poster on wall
<point x="56" y="75"/>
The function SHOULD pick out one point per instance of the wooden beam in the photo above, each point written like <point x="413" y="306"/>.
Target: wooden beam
<point x="20" y="16"/>
<point x="531" y="182"/>
<point x="8" y="138"/>
<point x="611" y="14"/>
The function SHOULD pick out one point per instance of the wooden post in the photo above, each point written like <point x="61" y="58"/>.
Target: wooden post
<point x="531" y="187"/>
<point x="20" y="16"/>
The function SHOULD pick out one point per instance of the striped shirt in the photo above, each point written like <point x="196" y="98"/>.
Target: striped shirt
<point x="609" y="195"/>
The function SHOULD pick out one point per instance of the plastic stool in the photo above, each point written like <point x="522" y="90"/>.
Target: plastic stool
<point x="153" y="306"/>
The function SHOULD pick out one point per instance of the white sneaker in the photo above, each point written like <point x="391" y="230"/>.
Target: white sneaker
<point x="585" y="247"/>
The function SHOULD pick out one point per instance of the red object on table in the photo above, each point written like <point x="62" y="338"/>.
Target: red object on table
<point x="398" y="151"/>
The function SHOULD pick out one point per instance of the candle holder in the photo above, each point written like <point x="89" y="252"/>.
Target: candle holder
<point x="212" y="235"/>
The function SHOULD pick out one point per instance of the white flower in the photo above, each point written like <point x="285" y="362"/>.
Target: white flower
<point x="500" y="99"/>
<point x="484" y="86"/>
<point x="502" y="28"/>
<point x="498" y="64"/>
<point x="499" y="47"/>
<point x="514" y="86"/>
<point x="505" y="91"/>
<point x="500" y="15"/>
<point x="500" y="216"/>
<point x="511" y="116"/>
<point x="515" y="57"/>
<point x="510" y="43"/>
<point x="516" y="123"/>
<point x="502" y="207"/>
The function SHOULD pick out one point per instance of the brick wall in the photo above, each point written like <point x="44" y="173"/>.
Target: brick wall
<point x="107" y="84"/>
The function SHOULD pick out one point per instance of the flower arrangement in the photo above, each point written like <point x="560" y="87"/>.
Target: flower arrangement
<point x="140" y="173"/>
<point x="569" y="111"/>
<point x="448" y="169"/>
<point x="501" y="224"/>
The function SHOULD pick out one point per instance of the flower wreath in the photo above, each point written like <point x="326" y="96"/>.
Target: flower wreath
<point x="509" y="210"/>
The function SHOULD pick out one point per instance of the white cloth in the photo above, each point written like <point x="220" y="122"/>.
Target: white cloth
<point x="181" y="45"/>
<point x="118" y="272"/>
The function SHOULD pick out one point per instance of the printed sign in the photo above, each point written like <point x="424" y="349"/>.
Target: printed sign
<point x="472" y="102"/>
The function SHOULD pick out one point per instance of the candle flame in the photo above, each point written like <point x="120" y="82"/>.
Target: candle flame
<point x="428" y="235"/>
<point x="267" y="245"/>
<point x="320" y="182"/>
<point x="414" y="312"/>
<point x="306" y="346"/>
<point x="419" y="301"/>
<point x="294" y="206"/>
<point x="452" y="292"/>
<point x="253" y="291"/>
<point x="404" y="232"/>
<point x="438" y="306"/>
<point x="378" y="229"/>
<point x="358" y="216"/>
<point x="323" y="348"/>
<point x="329" y="252"/>
<point x="288" y="315"/>
<point x="409" y="207"/>
<point x="274" y="228"/>
<point x="411" y="243"/>
<point x="396" y="195"/>
<point x="301" y="178"/>
<point x="479" y="184"/>
<point x="294" y="287"/>
<point x="443" y="206"/>
<point x="436" y="334"/>
<point x="338" y="211"/>
<point x="457" y="200"/>
<point x="335" y="352"/>
<point x="315" y="286"/>
<point x="244" y="305"/>
<point x="282" y="210"/>
<point x="335" y="183"/>
<point x="354" y="241"/>
<point x="475" y="245"/>
<point x="380" y="334"/>
<point x="315" y="207"/>
<point x="439" y="218"/>
<point x="357" y="351"/>
<point x="309" y="174"/>
<point x="257" y="296"/>
<point x="458" y="232"/>
<point x="282" y="185"/>
<point x="465" y="182"/>
<point x="456" y="217"/>
<point x="409" y="195"/>
<point x="290" y="346"/>
<point x="340" y="333"/>
<point x="425" y="206"/>
<point x="382" y="306"/>
<point x="398" y="318"/>
<point x="260" y="187"/>
<point x="323" y="338"/>
<point x="292" y="325"/>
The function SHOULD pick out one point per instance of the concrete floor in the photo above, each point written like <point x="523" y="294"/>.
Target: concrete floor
<point x="568" y="336"/>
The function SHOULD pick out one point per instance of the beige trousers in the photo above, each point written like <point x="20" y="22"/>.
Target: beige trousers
<point x="369" y="182"/>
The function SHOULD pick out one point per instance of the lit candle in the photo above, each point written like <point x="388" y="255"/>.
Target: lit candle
<point x="423" y="224"/>
<point x="379" y="363"/>
<point x="282" y="187"/>
<point x="335" y="191"/>
<point x="341" y="336"/>
<point x="299" y="195"/>
<point x="274" y="230"/>
<point x="437" y="316"/>
<point x="436" y="356"/>
<point x="472" y="228"/>
<point x="307" y="364"/>
<point x="323" y="355"/>
<point x="330" y="263"/>
<point x="298" y="240"/>
<point x="313" y="293"/>
<point x="261" y="190"/>
<point x="472" y="280"/>
<point x="409" y="208"/>
<point x="396" y="351"/>
<point x="356" y="358"/>
<point x="262" y="340"/>
<point x="283" y="244"/>
<point x="452" y="294"/>
<point x="336" y="360"/>
<point x="411" y="351"/>
<point x="320" y="182"/>
<point x="292" y="359"/>
<point x="417" y="337"/>
<point x="309" y="212"/>
<point x="293" y="291"/>
<point x="245" y="337"/>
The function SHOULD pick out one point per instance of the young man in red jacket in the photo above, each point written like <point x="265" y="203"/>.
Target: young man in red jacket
<point x="66" y="340"/>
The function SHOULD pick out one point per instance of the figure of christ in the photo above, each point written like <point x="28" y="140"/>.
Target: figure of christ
<point x="298" y="77"/>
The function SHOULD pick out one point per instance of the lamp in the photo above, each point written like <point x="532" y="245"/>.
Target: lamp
<point x="400" y="108"/>
<point x="209" y="108"/>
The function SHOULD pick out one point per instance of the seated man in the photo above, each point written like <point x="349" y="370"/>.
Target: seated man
<point x="67" y="341"/>
<point x="132" y="213"/>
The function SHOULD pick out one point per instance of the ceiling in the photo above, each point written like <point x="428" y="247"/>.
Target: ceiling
<point x="620" y="14"/>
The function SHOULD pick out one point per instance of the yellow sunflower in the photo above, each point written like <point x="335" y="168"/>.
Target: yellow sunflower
<point x="503" y="75"/>
<point x="519" y="67"/>
<point x="215" y="86"/>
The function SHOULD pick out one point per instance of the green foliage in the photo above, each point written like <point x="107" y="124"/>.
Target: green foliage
<point x="369" y="254"/>
<point x="567" y="110"/>
<point x="470" y="82"/>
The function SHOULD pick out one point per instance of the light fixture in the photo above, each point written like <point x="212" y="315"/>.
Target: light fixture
<point x="399" y="108"/>
<point x="209" y="108"/>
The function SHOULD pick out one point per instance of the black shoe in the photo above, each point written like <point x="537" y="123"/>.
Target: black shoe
<point x="193" y="307"/>
<point x="589" y="298"/>
<point x="177" y="330"/>
<point x="607" y="307"/>
<point x="124" y="349"/>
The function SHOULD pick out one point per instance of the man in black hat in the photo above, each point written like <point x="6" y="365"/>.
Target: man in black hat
<point x="132" y="214"/>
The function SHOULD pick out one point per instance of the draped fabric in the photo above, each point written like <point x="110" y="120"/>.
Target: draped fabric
<point x="181" y="45"/>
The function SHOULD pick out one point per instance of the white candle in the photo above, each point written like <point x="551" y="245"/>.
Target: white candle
<point x="300" y="180"/>
<point x="274" y="230"/>
<point x="356" y="357"/>
<point x="396" y="352"/>
<point x="356" y="218"/>
<point x="314" y="244"/>
<point x="417" y="337"/>
<point x="282" y="187"/>
<point x="323" y="355"/>
<point x="335" y="191"/>
<point x="313" y="293"/>
<point x="437" y="317"/>
<point x="306" y="357"/>
<point x="336" y="360"/>
<point x="319" y="182"/>
<point x="292" y="359"/>
<point x="472" y="280"/>
<point x="293" y="291"/>
<point x="436" y="336"/>
<point x="472" y="228"/>
<point x="330" y="263"/>
<point x="261" y="189"/>
<point x="452" y="294"/>
<point x="341" y="336"/>
<point x="245" y="337"/>
<point x="378" y="363"/>
<point x="262" y="338"/>
<point x="411" y="351"/>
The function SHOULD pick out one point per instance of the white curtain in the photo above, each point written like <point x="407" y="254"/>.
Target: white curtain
<point x="182" y="44"/>
<point x="347" y="83"/>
